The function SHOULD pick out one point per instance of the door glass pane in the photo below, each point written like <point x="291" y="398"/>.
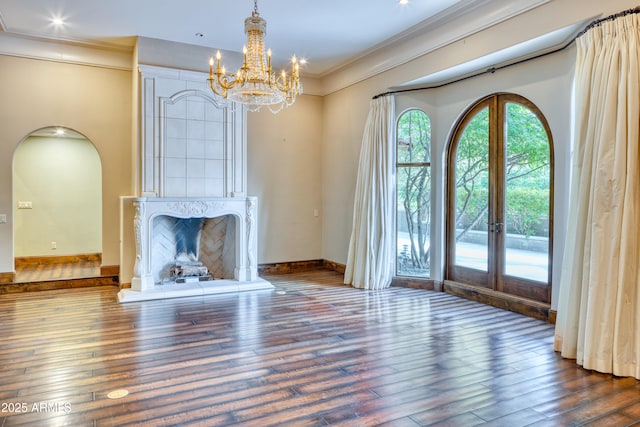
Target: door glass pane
<point x="527" y="176"/>
<point x="413" y="194"/>
<point x="472" y="194"/>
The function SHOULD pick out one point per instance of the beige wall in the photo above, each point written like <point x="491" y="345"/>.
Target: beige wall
<point x="284" y="172"/>
<point x="94" y="101"/>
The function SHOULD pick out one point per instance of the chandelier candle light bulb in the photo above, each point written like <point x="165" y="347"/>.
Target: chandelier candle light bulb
<point x="255" y="85"/>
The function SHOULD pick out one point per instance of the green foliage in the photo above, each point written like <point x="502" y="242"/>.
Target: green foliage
<point x="527" y="211"/>
<point x="414" y="138"/>
<point x="472" y="175"/>
<point x="527" y="173"/>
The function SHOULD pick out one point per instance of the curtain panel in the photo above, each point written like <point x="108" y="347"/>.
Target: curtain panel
<point x="598" y="320"/>
<point x="370" y="259"/>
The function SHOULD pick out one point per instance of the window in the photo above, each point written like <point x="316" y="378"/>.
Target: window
<point x="413" y="194"/>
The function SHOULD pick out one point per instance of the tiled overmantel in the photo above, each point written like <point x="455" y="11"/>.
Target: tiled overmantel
<point x="190" y="145"/>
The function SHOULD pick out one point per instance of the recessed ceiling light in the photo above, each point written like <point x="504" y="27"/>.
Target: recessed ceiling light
<point x="403" y="1"/>
<point x="58" y="22"/>
<point x="59" y="131"/>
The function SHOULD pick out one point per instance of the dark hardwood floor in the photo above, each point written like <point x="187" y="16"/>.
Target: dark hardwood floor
<point x="310" y="353"/>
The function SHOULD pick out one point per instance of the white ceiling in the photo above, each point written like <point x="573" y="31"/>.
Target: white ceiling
<point x="328" y="33"/>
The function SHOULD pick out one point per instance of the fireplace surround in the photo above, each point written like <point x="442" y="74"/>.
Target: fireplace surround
<point x="149" y="282"/>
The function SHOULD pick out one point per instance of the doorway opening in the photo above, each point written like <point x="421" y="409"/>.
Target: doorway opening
<point x="500" y="199"/>
<point x="57" y="206"/>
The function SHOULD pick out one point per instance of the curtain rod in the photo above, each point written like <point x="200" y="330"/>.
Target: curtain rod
<point x="492" y="70"/>
<point x="597" y="22"/>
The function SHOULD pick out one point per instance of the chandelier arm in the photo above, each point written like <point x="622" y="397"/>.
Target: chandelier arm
<point x="289" y="83"/>
<point x="223" y="81"/>
<point x="215" y="89"/>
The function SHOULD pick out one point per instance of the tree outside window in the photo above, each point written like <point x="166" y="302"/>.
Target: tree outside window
<point x="413" y="193"/>
<point x="524" y="216"/>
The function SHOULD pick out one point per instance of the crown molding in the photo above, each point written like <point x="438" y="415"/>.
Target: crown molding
<point x="73" y="52"/>
<point x="466" y="18"/>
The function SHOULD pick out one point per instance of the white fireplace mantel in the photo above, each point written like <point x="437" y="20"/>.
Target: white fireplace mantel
<point x="143" y="285"/>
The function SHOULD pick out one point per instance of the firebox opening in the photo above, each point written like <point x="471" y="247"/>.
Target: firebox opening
<point x="187" y="232"/>
<point x="193" y="249"/>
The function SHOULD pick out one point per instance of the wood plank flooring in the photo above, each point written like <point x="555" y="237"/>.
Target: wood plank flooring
<point x="37" y="272"/>
<point x="313" y="352"/>
<point x="44" y="276"/>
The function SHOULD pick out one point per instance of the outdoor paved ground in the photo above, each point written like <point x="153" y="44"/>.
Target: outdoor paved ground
<point x="520" y="263"/>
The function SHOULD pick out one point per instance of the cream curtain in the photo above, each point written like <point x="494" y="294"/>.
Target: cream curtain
<point x="370" y="259"/>
<point x="598" y="320"/>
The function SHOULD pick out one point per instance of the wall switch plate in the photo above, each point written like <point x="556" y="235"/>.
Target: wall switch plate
<point x="3" y="218"/>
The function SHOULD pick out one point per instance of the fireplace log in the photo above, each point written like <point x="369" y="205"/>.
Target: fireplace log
<point x="189" y="270"/>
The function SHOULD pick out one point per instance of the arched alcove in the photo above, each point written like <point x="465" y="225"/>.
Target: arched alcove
<point x="57" y="195"/>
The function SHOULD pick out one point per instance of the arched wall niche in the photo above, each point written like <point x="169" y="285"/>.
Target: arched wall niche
<point x="57" y="195"/>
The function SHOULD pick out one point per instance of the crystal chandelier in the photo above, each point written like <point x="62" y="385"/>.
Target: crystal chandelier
<point x="255" y="84"/>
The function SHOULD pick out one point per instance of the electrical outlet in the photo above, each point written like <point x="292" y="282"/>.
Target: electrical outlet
<point x="25" y="205"/>
<point x="3" y="218"/>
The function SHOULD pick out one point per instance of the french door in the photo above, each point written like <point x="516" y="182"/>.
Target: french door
<point x="500" y="198"/>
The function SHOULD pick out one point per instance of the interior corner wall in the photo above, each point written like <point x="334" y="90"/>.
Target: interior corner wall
<point x="284" y="171"/>
<point x="94" y="101"/>
<point x="135" y="124"/>
<point x="345" y="114"/>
